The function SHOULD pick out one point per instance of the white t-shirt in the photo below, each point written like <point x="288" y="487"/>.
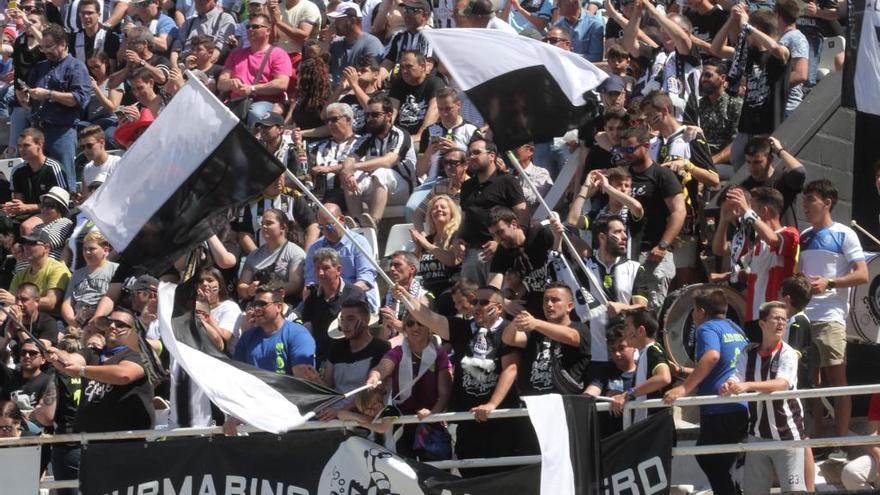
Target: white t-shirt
<point x="829" y="252"/>
<point x="226" y="314"/>
<point x="93" y="172"/>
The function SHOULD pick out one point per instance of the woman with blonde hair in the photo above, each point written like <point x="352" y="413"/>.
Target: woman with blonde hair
<point x="439" y="259"/>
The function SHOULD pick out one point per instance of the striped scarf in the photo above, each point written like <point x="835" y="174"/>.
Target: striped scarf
<point x="738" y="64"/>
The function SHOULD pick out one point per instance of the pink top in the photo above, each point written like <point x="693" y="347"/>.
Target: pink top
<point x="243" y="65"/>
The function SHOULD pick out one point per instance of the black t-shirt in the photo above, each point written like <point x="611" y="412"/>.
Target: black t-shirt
<point x="12" y="382"/>
<point x="320" y="313"/>
<point x="436" y="277"/>
<point x="157" y="61"/>
<point x="478" y="198"/>
<point x="24" y="59"/>
<point x="767" y="91"/>
<point x="105" y="407"/>
<point x="111" y="44"/>
<point x="68" y="389"/>
<point x="707" y="25"/>
<point x="45" y="328"/>
<point x="651" y="187"/>
<point x="358" y="122"/>
<point x="545" y="361"/>
<point x="298" y="208"/>
<point x="475" y="377"/>
<point x="350" y="369"/>
<point x="414" y="101"/>
<point x="788" y="182"/>
<point x="31" y="185"/>
<point x="656" y="356"/>
<point x="530" y="261"/>
<point x="818" y="28"/>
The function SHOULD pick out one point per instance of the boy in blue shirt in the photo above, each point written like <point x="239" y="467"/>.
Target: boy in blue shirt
<point x="719" y="344"/>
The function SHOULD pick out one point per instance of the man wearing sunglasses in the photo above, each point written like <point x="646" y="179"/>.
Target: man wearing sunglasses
<point x="485" y="372"/>
<point x="239" y="79"/>
<point x="116" y="394"/>
<point x="415" y="15"/>
<point x="50" y="276"/>
<point x="101" y="164"/>
<point x="29" y="386"/>
<point x="275" y="344"/>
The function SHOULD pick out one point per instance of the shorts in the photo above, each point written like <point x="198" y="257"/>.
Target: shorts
<point x="829" y="343"/>
<point x="685" y="252"/>
<point x="398" y="190"/>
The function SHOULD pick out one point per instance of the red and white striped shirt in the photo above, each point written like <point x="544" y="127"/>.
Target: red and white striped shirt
<point x="772" y="419"/>
<point x="768" y="267"/>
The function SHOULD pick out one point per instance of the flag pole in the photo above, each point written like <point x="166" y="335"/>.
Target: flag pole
<point x="571" y="249"/>
<point x="342" y="228"/>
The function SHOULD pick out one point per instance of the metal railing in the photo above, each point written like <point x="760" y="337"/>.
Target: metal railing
<point x="629" y="408"/>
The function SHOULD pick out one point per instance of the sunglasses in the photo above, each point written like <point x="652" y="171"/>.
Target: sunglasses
<point x="452" y="163"/>
<point x="553" y="40"/>
<point x="28" y="242"/>
<point x="255" y="26"/>
<point x="28" y="8"/>
<point x="261" y="304"/>
<point x="30" y="353"/>
<point x="629" y="149"/>
<point x="119" y="324"/>
<point x="411" y="323"/>
<point x="333" y="120"/>
<point x="483" y="302"/>
<point x="412" y="10"/>
<point x="326" y="226"/>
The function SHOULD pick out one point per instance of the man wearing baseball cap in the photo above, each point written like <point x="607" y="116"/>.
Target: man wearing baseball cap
<point x="415" y="15"/>
<point x="49" y="275"/>
<point x="354" y="44"/>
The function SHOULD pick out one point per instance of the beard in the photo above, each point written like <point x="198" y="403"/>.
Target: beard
<point x="708" y="87"/>
<point x="374" y="127"/>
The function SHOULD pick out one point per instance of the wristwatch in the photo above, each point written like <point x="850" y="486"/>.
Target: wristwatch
<point x="630" y="395"/>
<point x="82" y="371"/>
<point x="663" y="245"/>
<point x="831" y="284"/>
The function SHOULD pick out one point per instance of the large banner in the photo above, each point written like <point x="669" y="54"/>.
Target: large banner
<point x="333" y="462"/>
<point x="638" y="460"/>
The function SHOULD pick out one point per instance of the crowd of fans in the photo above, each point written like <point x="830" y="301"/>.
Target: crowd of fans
<point x="350" y="97"/>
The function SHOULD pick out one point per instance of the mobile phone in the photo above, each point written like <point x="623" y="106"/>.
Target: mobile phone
<point x="120" y="113"/>
<point x="21" y="85"/>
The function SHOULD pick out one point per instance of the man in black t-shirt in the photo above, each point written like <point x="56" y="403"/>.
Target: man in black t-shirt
<point x="138" y="53"/>
<point x="325" y="301"/>
<point x="350" y="360"/>
<point x="29" y="386"/>
<point x="415" y="89"/>
<point x="707" y="19"/>
<point x="523" y="250"/>
<point x="116" y="394"/>
<point x="556" y="352"/>
<point x="487" y="187"/>
<point x="484" y="378"/>
<point x="788" y="180"/>
<point x="659" y="192"/>
<point x="34" y="177"/>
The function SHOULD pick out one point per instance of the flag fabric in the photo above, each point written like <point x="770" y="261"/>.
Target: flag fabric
<point x="568" y="433"/>
<point x="862" y="63"/>
<point x="269" y="401"/>
<point x="172" y="188"/>
<point x="527" y="90"/>
<point x="639" y="458"/>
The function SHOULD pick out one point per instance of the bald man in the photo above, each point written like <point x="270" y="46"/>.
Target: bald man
<point x="356" y="267"/>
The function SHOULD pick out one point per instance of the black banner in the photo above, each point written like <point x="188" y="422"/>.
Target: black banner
<point x="334" y="462"/>
<point x="639" y="459"/>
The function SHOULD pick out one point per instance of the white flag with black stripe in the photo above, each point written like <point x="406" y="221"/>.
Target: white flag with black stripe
<point x="527" y="90"/>
<point x="172" y="188"/>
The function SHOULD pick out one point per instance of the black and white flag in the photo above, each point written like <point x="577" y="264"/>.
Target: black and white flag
<point x="269" y="401"/>
<point x="173" y="187"/>
<point x="862" y="66"/>
<point x="568" y="433"/>
<point x="527" y="90"/>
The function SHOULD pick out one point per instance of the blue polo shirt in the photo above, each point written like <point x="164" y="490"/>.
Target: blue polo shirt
<point x="279" y="352"/>
<point x="587" y="35"/>
<point x="68" y="75"/>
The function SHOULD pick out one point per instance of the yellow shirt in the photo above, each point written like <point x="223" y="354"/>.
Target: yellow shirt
<point x="53" y="275"/>
<point x="304" y="11"/>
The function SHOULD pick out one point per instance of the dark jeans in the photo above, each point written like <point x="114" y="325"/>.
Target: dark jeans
<point x="65" y="464"/>
<point x="716" y="429"/>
